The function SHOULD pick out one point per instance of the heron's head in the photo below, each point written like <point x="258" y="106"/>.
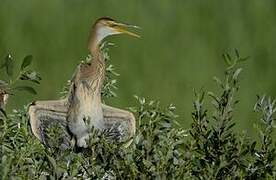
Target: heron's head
<point x="104" y="27"/>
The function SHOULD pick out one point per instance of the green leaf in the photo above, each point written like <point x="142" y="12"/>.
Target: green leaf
<point x="7" y="160"/>
<point x="26" y="61"/>
<point x="3" y="112"/>
<point x="237" y="53"/>
<point x="243" y="59"/>
<point x="236" y="74"/>
<point x="252" y="147"/>
<point x="52" y="161"/>
<point x="30" y="76"/>
<point x="25" y="88"/>
<point x="227" y="58"/>
<point x="9" y="65"/>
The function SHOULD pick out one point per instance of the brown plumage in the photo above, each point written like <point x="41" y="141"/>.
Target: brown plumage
<point x="83" y="109"/>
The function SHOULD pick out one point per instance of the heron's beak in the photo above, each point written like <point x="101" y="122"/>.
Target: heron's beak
<point x="122" y="28"/>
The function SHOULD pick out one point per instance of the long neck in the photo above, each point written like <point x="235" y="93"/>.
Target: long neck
<point x="97" y="67"/>
<point x="95" y="40"/>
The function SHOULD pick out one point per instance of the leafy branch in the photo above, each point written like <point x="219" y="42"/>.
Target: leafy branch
<point x="24" y="74"/>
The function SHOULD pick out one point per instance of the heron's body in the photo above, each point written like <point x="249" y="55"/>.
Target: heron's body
<point x="83" y="109"/>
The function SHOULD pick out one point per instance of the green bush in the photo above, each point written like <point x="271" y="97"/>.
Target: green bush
<point x="161" y="149"/>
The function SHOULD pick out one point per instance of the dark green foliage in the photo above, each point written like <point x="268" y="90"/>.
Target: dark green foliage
<point x="10" y="84"/>
<point x="218" y="151"/>
<point x="263" y="164"/>
<point x="210" y="149"/>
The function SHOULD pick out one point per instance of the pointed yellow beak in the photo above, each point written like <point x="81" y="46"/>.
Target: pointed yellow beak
<point x="122" y="28"/>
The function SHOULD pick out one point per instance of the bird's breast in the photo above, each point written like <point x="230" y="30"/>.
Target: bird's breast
<point x="86" y="109"/>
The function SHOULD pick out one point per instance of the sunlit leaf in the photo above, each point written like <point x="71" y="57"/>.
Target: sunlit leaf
<point x="236" y="73"/>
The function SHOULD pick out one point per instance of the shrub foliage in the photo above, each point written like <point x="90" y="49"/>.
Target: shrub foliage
<point x="161" y="149"/>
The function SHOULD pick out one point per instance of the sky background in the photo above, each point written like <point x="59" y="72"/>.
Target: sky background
<point x="180" y="49"/>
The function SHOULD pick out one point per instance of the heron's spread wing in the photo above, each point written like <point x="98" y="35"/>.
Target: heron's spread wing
<point x="46" y="114"/>
<point x="49" y="114"/>
<point x="120" y="123"/>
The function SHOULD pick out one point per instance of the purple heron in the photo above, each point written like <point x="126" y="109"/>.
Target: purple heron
<point x="83" y="107"/>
